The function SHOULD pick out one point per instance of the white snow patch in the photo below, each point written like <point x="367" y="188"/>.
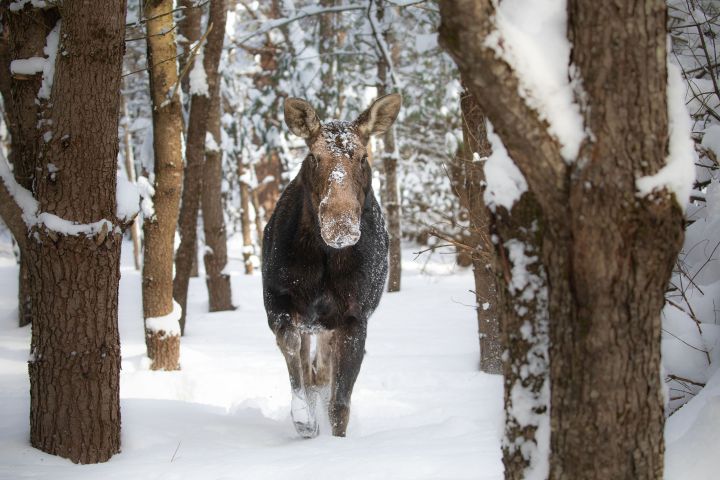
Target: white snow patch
<point x="505" y="182"/>
<point x="18" y="5"/>
<point x="198" y="77"/>
<point x="51" y="48"/>
<point x="678" y="174"/>
<point x="146" y="190"/>
<point x="27" y="66"/>
<point x="210" y="144"/>
<point x="169" y="324"/>
<point x="127" y="197"/>
<point x="27" y="203"/>
<point x="531" y="36"/>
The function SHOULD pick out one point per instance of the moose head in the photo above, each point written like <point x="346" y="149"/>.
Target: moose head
<point x="336" y="171"/>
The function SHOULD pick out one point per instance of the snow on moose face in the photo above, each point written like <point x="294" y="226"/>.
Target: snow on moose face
<point x="337" y="170"/>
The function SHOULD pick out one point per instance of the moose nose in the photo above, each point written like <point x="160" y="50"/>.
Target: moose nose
<point x="340" y="232"/>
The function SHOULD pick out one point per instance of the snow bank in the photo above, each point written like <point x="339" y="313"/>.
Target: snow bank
<point x="692" y="435"/>
<point x="505" y="182"/>
<point x="678" y="174"/>
<point x="168" y="324"/>
<point x="531" y="37"/>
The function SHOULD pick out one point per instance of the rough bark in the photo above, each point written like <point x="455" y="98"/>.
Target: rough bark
<point x="607" y="254"/>
<point x="195" y="156"/>
<point x="245" y="217"/>
<point x="215" y="257"/>
<point x="471" y="188"/>
<point x="163" y="347"/>
<point x="390" y="197"/>
<point x="29" y="29"/>
<point x="75" y="351"/>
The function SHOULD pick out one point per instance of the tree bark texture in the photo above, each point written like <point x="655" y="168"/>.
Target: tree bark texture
<point x="163" y="347"/>
<point x="189" y="32"/>
<point x="215" y="256"/>
<point x="390" y="197"/>
<point x="471" y="188"/>
<point x="75" y="351"/>
<point x="195" y="156"/>
<point x="25" y="32"/>
<point x="606" y="253"/>
<point x="245" y="216"/>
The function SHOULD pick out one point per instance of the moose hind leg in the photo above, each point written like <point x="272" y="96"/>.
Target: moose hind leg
<point x="289" y="340"/>
<point x="348" y="347"/>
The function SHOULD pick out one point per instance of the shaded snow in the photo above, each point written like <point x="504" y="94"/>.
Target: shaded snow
<point x="51" y="48"/>
<point x="420" y="408"/>
<point x="505" y="182"/>
<point x="27" y="66"/>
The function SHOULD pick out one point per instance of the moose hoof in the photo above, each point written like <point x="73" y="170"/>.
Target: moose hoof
<point x="303" y="416"/>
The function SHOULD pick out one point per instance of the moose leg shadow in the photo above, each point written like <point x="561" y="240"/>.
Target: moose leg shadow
<point x="348" y="348"/>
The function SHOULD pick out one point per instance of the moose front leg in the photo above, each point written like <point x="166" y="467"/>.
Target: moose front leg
<point x="348" y="352"/>
<point x="289" y="341"/>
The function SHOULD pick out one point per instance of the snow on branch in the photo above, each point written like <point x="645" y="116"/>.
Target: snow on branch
<point x="678" y="174"/>
<point x="302" y="13"/>
<point x="382" y="45"/>
<point x="531" y="36"/>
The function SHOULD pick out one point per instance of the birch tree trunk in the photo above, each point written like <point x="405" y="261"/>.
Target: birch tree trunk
<point x="215" y="257"/>
<point x="195" y="154"/>
<point x="74" y="366"/>
<point x="162" y="337"/>
<point x="601" y="256"/>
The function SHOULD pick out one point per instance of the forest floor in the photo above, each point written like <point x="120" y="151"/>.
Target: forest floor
<point x="421" y="409"/>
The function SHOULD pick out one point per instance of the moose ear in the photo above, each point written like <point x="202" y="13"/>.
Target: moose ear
<point x="301" y="117"/>
<point x="378" y="118"/>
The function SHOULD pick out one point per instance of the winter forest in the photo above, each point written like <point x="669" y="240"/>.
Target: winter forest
<point x="392" y="239"/>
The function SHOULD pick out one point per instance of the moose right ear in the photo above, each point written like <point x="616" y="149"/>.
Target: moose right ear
<point x="301" y="117"/>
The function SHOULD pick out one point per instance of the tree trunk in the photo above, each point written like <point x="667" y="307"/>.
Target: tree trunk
<point x="390" y="197"/>
<point x="472" y="188"/>
<point x="162" y="338"/>
<point x="29" y="29"/>
<point x="245" y="217"/>
<point x="189" y="32"/>
<point x="130" y="170"/>
<point x="195" y="155"/>
<point x="215" y="257"/>
<point x="259" y="225"/>
<point x="602" y="255"/>
<point x="75" y="351"/>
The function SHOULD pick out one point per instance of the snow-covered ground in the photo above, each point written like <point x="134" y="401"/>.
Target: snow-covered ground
<point x="421" y="410"/>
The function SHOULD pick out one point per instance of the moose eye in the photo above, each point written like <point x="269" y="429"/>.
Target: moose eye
<point x="313" y="160"/>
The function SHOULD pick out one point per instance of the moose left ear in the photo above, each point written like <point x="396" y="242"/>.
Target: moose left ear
<point x="379" y="117"/>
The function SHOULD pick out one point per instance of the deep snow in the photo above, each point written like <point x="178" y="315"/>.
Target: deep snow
<point x="420" y="407"/>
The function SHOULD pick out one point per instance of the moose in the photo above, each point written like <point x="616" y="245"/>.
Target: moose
<point x="325" y="261"/>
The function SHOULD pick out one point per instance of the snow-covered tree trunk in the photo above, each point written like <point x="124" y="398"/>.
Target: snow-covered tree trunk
<point x="75" y="236"/>
<point x="29" y="27"/>
<point x="605" y="231"/>
<point x="215" y="255"/>
<point x="162" y="328"/>
<point x="188" y="33"/>
<point x="203" y="83"/>
<point x="471" y="188"/>
<point x="390" y="194"/>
